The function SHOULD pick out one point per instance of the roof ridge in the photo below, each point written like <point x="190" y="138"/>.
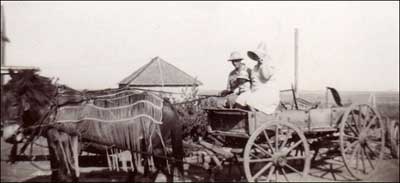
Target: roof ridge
<point x="147" y="75"/>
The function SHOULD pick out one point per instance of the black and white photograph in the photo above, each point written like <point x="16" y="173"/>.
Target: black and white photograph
<point x="200" y="91"/>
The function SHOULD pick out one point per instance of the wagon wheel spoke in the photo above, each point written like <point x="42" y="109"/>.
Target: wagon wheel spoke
<point x="251" y="154"/>
<point x="263" y="169"/>
<point x="296" y="157"/>
<point x="355" y="152"/>
<point x="363" y="117"/>
<point x="359" y="117"/>
<point x="355" y="121"/>
<point x="369" y="148"/>
<point x="268" y="141"/>
<point x="352" y="129"/>
<point x="350" y="137"/>
<point x="370" y="113"/>
<point x="270" y="173"/>
<point x="362" y="160"/>
<point x="294" y="146"/>
<point x="370" y="123"/>
<point x="262" y="150"/>
<point x="276" y="137"/>
<point x="260" y="160"/>
<point x="357" y="158"/>
<point x="349" y="147"/>
<point x="369" y="159"/>
<point x="284" y="174"/>
<point x="293" y="169"/>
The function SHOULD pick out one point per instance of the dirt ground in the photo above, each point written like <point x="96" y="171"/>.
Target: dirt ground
<point x="387" y="171"/>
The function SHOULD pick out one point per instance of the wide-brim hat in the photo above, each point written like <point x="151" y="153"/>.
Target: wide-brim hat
<point x="259" y="53"/>
<point x="235" y="56"/>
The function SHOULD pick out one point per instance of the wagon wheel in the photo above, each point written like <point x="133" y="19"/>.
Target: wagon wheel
<point x="394" y="138"/>
<point x="270" y="153"/>
<point x="361" y="139"/>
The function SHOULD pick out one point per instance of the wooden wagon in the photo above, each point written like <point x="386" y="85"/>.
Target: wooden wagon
<point x="287" y="141"/>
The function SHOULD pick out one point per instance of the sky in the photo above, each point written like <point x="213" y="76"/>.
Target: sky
<point x="352" y="46"/>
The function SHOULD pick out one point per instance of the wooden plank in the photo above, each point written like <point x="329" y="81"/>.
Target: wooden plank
<point x="231" y="134"/>
<point x="5" y="69"/>
<point x="216" y="149"/>
<point x="227" y="110"/>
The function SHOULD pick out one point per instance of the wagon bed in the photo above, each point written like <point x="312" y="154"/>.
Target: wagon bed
<point x="288" y="140"/>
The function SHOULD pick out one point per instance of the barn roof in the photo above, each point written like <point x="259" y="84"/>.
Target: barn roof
<point x="159" y="72"/>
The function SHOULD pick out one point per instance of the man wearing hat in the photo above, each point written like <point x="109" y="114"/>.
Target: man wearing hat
<point x="239" y="79"/>
<point x="264" y="95"/>
<point x="240" y="71"/>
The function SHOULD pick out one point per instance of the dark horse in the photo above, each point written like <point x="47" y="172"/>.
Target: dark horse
<point x="28" y="103"/>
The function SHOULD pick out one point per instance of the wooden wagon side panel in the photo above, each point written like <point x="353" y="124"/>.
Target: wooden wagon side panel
<point x="228" y="120"/>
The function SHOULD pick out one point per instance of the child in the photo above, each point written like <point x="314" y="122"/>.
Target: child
<point x="242" y="82"/>
<point x="240" y="85"/>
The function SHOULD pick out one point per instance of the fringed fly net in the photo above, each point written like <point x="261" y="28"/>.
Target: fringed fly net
<point x="120" y="120"/>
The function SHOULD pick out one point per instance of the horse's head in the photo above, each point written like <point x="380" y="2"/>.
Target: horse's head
<point x="23" y="102"/>
<point x="12" y="108"/>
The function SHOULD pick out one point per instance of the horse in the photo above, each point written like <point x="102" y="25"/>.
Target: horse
<point x="28" y="105"/>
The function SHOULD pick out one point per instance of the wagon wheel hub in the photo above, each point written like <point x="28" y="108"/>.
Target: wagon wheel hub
<point x="279" y="159"/>
<point x="363" y="137"/>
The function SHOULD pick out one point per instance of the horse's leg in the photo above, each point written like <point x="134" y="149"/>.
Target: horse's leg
<point x="53" y="160"/>
<point x="177" y="146"/>
<point x="132" y="174"/>
<point x="146" y="171"/>
<point x="160" y="156"/>
<point x="161" y="164"/>
<point x="13" y="153"/>
<point x="75" y="154"/>
<point x="58" y="142"/>
<point x="172" y="128"/>
<point x="70" y="150"/>
<point x="57" y="163"/>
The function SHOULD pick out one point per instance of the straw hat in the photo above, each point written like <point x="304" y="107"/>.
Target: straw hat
<point x="259" y="53"/>
<point x="235" y="56"/>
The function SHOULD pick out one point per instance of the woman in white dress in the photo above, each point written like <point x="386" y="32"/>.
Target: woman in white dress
<point x="265" y="95"/>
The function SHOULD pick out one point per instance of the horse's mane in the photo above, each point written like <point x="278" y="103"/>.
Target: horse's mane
<point x="38" y="90"/>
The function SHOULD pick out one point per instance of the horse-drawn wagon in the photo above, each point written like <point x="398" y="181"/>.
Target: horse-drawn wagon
<point x="272" y="146"/>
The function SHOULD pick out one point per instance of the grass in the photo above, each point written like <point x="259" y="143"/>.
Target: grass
<point x="390" y="110"/>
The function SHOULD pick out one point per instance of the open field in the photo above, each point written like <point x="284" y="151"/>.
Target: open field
<point x="387" y="103"/>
